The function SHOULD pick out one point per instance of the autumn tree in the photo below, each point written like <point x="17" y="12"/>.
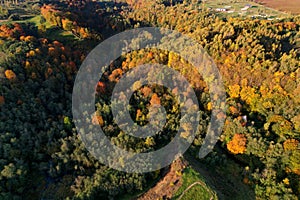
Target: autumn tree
<point x="238" y="144"/>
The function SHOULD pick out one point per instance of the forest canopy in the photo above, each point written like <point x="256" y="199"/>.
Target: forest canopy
<point x="41" y="154"/>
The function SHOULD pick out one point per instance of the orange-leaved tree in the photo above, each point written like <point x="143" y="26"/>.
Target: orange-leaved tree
<point x="290" y="144"/>
<point x="9" y="74"/>
<point x="238" y="144"/>
<point x="2" y="100"/>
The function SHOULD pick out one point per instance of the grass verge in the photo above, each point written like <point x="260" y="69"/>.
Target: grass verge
<point x="194" y="187"/>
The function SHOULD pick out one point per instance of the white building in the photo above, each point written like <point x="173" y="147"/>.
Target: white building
<point x="221" y="9"/>
<point x="246" y="7"/>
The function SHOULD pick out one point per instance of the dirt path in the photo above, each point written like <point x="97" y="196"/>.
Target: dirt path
<point x="225" y="187"/>
<point x="3" y="21"/>
<point x="192" y="185"/>
<point x="169" y="184"/>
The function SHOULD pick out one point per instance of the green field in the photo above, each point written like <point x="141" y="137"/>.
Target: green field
<point x="194" y="187"/>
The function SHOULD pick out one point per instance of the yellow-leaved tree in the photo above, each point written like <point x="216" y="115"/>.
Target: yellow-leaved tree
<point x="238" y="144"/>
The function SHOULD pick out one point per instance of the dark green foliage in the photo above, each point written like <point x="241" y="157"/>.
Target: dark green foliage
<point x="41" y="155"/>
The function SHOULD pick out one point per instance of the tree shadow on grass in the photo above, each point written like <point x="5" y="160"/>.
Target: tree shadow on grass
<point x="225" y="185"/>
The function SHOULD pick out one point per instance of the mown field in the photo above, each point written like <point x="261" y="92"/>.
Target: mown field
<point x="194" y="187"/>
<point x="292" y="6"/>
